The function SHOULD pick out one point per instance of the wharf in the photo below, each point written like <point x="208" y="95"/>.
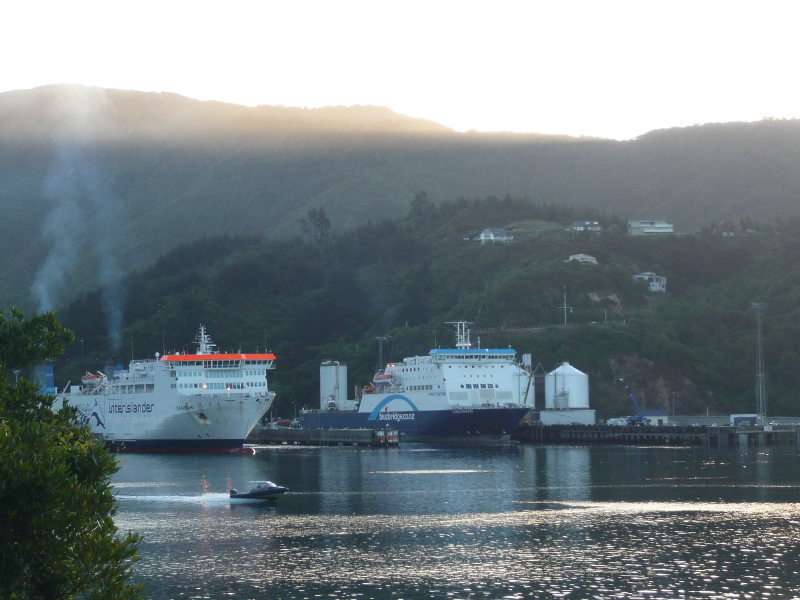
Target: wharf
<point x="376" y="438"/>
<point x="664" y="435"/>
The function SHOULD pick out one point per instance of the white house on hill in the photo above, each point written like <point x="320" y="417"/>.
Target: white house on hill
<point x="494" y="235"/>
<point x="583" y="259"/>
<point x="652" y="227"/>
<point x="591" y="226"/>
<point x="657" y="283"/>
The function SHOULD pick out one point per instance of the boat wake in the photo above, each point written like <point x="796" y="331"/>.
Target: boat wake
<point x="220" y="498"/>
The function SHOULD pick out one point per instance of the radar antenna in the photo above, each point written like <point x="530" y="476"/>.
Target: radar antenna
<point x="462" y="334"/>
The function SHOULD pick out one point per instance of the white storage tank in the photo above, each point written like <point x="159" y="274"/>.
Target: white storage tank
<point x="332" y="385"/>
<point x="565" y="388"/>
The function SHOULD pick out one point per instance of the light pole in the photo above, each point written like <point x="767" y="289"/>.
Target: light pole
<point x="761" y="391"/>
<point x="565" y="306"/>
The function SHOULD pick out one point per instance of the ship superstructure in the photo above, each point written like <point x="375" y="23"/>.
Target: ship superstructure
<point x="177" y="402"/>
<point x="463" y="392"/>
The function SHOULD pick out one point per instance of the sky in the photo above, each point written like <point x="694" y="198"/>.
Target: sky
<point x="606" y="69"/>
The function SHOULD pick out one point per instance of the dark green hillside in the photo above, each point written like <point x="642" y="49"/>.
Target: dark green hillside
<point x="95" y="182"/>
<point x="404" y="278"/>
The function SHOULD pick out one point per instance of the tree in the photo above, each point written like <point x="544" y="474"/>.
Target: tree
<point x="316" y="226"/>
<point x="421" y="209"/>
<point x="57" y="535"/>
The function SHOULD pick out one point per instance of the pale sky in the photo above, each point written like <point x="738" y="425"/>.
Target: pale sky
<point x="609" y="69"/>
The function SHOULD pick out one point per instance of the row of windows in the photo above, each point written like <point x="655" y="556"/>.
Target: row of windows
<point x="415" y="388"/>
<point x="475" y="386"/>
<point x="221" y="374"/>
<point x="473" y="366"/>
<point x="147" y="388"/>
<point x="473" y="356"/>
<point x="218" y="364"/>
<point x="223" y="386"/>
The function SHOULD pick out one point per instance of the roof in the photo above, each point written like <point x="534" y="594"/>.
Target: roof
<point x="175" y="357"/>
<point x="566" y="369"/>
<point x="458" y="351"/>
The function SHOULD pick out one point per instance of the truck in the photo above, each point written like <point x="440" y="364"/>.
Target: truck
<point x="637" y="419"/>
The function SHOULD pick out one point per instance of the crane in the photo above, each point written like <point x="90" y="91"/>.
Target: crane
<point x="639" y="418"/>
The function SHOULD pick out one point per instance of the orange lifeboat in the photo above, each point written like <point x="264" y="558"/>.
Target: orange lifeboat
<point x="91" y="379"/>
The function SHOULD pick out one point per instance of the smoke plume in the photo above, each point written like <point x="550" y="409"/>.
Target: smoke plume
<point x="85" y="213"/>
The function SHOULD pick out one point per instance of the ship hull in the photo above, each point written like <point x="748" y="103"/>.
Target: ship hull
<point x="456" y="424"/>
<point x="170" y="424"/>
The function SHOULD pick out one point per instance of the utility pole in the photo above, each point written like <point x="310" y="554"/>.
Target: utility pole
<point x="761" y="391"/>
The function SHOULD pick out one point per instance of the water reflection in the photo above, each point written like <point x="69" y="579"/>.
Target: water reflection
<point x="426" y="522"/>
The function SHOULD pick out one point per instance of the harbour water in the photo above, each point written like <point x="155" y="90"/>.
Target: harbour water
<point x="485" y="522"/>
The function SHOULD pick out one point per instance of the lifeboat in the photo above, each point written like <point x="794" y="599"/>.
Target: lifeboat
<point x="91" y="379"/>
<point x="383" y="376"/>
<point x="369" y="389"/>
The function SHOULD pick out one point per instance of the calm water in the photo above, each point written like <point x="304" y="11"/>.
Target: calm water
<point x="469" y="522"/>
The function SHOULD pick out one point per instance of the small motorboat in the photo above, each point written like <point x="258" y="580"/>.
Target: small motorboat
<point x="261" y="490"/>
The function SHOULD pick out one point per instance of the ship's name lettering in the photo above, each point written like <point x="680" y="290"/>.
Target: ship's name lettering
<point x="144" y="407"/>
<point x="185" y="406"/>
<point x="395" y="416"/>
<point x="459" y="411"/>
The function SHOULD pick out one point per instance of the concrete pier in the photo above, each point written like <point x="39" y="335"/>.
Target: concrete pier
<point x="688" y="435"/>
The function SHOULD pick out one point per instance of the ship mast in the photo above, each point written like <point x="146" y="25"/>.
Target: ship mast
<point x="462" y="334"/>
<point x="203" y="341"/>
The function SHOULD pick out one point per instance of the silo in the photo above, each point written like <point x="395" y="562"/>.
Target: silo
<point x="565" y="388"/>
<point x="332" y="385"/>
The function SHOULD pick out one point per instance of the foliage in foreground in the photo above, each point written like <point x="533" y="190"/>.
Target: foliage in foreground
<point x="57" y="535"/>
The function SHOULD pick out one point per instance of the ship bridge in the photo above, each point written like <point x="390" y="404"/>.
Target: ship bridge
<point x="481" y="354"/>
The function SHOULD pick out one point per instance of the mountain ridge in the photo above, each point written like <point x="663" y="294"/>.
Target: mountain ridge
<point x="132" y="174"/>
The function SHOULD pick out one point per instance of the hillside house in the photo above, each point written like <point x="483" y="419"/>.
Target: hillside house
<point x="726" y="229"/>
<point x="657" y="283"/>
<point x="580" y="226"/>
<point x="583" y="259"/>
<point x="491" y="234"/>
<point x="652" y="227"/>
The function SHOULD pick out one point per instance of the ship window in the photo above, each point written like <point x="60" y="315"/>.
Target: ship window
<point x="139" y="388"/>
<point x="483" y="385"/>
<point x="149" y="388"/>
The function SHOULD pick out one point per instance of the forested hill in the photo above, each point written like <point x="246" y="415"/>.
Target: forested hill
<point x="95" y="182"/>
<point x="329" y="297"/>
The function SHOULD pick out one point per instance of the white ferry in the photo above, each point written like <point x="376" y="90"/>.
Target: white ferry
<point x="458" y="394"/>
<point x="178" y="402"/>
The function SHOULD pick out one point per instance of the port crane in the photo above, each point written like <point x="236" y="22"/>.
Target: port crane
<point x="638" y="418"/>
